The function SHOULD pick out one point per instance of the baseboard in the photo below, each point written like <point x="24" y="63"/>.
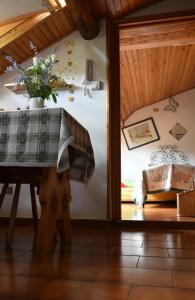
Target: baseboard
<point x="19" y="221"/>
<point x="94" y="223"/>
<point x="91" y="223"/>
<point x="180" y="225"/>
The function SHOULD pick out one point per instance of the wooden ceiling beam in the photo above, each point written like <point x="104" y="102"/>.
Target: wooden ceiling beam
<point x="152" y="36"/>
<point x="21" y="18"/>
<point x="156" y="44"/>
<point x="22" y="28"/>
<point x="83" y="18"/>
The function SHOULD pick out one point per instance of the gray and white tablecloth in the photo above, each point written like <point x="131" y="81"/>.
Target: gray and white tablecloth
<point x="46" y="137"/>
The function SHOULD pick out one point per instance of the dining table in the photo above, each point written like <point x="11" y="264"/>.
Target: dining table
<point x="46" y="148"/>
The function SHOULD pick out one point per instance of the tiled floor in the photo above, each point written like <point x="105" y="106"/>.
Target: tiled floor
<point x="162" y="211"/>
<point x="101" y="264"/>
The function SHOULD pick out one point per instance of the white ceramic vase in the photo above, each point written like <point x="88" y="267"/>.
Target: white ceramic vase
<point x="36" y="102"/>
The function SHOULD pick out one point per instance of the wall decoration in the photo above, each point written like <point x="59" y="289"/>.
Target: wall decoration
<point x="168" y="154"/>
<point x="172" y="106"/>
<point x="140" y="133"/>
<point x="68" y="69"/>
<point x="89" y="83"/>
<point x="178" y="131"/>
<point x="71" y="98"/>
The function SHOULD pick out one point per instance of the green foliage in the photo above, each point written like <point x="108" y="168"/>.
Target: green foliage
<point x="38" y="79"/>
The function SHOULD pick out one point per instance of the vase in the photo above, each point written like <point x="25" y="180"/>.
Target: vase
<point x="36" y="102"/>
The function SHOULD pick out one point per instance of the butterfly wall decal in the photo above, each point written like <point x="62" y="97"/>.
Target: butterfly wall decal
<point x="172" y="106"/>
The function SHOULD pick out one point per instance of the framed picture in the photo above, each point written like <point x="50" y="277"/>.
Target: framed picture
<point x="140" y="133"/>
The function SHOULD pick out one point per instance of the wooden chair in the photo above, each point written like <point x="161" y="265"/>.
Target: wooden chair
<point x="13" y="212"/>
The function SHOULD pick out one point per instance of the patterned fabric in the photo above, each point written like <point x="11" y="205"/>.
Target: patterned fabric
<point x="164" y="178"/>
<point x="46" y="137"/>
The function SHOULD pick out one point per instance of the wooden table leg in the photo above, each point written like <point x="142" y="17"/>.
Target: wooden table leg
<point x="3" y="193"/>
<point x="54" y="196"/>
<point x="34" y="207"/>
<point x="12" y="218"/>
<point x="64" y="223"/>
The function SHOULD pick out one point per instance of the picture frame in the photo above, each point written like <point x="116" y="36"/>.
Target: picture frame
<point x="140" y="133"/>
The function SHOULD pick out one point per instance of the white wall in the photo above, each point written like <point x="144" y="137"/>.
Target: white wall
<point x="88" y="202"/>
<point x="135" y="160"/>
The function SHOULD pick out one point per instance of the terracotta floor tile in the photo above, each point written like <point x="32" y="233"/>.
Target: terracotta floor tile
<point x="9" y="253"/>
<point x="154" y="293"/>
<point x="92" y="267"/>
<point x="141" y="251"/>
<point x="166" y="263"/>
<point x="96" y="240"/>
<point x="183" y="279"/>
<point x="87" y="249"/>
<point x="15" y="298"/>
<point x="97" y="234"/>
<point x="130" y="243"/>
<point x="118" y="261"/>
<point x="20" y="286"/>
<point x="135" y="236"/>
<point x="168" y="244"/>
<point x="22" y="245"/>
<point x="78" y="272"/>
<point x="75" y="290"/>
<point x="12" y="267"/>
<point x="53" y="258"/>
<point x="185" y="253"/>
<point x="135" y="276"/>
<point x="154" y="236"/>
<point x="181" y="237"/>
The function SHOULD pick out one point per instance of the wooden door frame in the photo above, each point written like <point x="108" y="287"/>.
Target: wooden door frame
<point x="113" y="103"/>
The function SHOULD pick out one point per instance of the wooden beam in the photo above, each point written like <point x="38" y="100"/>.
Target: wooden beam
<point x="83" y="18"/>
<point x="22" y="28"/>
<point x="171" y="33"/>
<point x="21" y="18"/>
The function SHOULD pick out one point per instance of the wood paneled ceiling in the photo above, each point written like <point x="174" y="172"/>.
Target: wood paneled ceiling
<point x="44" y="29"/>
<point x="118" y="8"/>
<point x="156" y="61"/>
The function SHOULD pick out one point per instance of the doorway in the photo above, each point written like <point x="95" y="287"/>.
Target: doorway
<point x="133" y="33"/>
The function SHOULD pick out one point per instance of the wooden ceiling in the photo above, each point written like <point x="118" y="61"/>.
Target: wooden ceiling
<point x="118" y="8"/>
<point x="44" y="29"/>
<point x="156" y="61"/>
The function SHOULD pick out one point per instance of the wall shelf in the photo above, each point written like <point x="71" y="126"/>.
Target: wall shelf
<point x="19" y="88"/>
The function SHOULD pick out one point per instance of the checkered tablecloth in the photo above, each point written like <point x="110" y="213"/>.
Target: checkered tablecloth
<point x="46" y="137"/>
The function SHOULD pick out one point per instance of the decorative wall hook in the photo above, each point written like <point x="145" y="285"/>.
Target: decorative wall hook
<point x="88" y="82"/>
<point x="172" y="106"/>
